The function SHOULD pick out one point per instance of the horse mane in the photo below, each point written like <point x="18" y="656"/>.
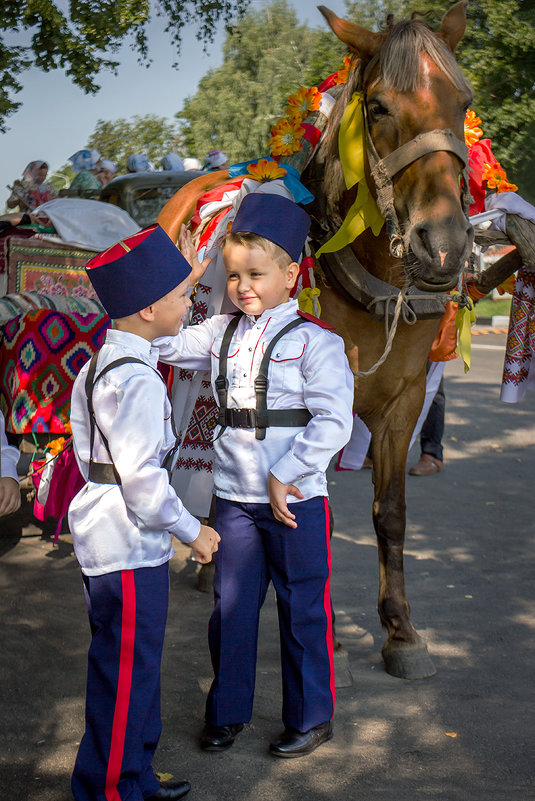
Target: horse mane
<point x="399" y="69"/>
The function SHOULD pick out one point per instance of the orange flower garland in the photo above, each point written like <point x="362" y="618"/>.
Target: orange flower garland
<point x="302" y="103"/>
<point x="471" y="130"/>
<point x="265" y="170"/>
<point x="285" y="138"/>
<point x="342" y="74"/>
<point x="495" y="176"/>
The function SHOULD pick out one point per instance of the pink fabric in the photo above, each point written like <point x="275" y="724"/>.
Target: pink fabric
<point x="65" y="483"/>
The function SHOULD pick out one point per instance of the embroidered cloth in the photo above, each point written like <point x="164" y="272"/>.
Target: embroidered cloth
<point x="48" y="268"/>
<point x="519" y="364"/>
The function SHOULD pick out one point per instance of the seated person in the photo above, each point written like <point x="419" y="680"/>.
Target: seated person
<point x="138" y="162"/>
<point x="107" y="171"/>
<point x="86" y="165"/>
<point x="32" y="190"/>
<point x="172" y="162"/>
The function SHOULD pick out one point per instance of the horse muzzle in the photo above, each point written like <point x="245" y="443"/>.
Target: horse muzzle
<point x="437" y="254"/>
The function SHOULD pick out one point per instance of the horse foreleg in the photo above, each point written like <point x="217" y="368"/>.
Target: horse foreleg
<point x="405" y="652"/>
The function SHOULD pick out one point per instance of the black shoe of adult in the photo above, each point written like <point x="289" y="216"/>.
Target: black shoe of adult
<point x="219" y="738"/>
<point x="170" y="791"/>
<point x="293" y="743"/>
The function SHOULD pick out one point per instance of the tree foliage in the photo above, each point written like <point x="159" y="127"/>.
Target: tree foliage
<point x="117" y="139"/>
<point x="265" y="59"/>
<point x="84" y="40"/>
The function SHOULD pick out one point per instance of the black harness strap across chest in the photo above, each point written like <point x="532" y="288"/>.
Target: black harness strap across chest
<point x="261" y="417"/>
<point x="104" y="472"/>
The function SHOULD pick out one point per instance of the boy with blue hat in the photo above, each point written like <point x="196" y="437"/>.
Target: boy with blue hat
<point x="285" y="393"/>
<point x="123" y="519"/>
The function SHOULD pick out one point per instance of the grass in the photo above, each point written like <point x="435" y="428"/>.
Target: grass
<point x="487" y="307"/>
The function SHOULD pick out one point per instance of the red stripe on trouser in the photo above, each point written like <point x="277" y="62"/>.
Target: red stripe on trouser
<point x="327" y="603"/>
<point x="124" y="684"/>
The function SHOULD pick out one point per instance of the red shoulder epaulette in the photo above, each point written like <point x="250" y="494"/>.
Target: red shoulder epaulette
<point x="312" y="319"/>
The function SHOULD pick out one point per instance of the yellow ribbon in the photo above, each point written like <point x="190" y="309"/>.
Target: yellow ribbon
<point x="364" y="212"/>
<point x="307" y="303"/>
<point x="464" y="319"/>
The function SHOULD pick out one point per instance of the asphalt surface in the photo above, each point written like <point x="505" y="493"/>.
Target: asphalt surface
<point x="466" y="734"/>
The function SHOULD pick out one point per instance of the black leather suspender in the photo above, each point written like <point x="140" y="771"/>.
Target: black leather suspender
<point x="261" y="417"/>
<point x="104" y="472"/>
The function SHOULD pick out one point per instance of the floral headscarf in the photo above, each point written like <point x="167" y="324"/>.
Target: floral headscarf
<point x="31" y="172"/>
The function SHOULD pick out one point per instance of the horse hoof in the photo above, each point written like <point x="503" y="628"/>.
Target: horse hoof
<point x="408" y="661"/>
<point x="342" y="671"/>
<point x="205" y="577"/>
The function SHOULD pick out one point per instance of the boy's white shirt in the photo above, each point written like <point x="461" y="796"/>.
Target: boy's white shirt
<point x="9" y="456"/>
<point x="308" y="369"/>
<point x="126" y="527"/>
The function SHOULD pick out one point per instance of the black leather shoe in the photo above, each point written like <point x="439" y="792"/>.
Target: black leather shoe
<point x="219" y="738"/>
<point x="293" y="743"/>
<point x="170" y="791"/>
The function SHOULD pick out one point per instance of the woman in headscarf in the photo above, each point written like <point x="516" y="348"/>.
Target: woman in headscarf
<point x="31" y="190"/>
<point x="107" y="171"/>
<point x="138" y="162"/>
<point x="215" y="160"/>
<point x="85" y="164"/>
<point x="173" y="163"/>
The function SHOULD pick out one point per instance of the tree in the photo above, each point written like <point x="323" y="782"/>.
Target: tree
<point x="155" y="136"/>
<point x="83" y="40"/>
<point x="265" y="59"/>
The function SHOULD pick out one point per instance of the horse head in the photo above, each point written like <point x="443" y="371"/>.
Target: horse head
<point x="414" y="100"/>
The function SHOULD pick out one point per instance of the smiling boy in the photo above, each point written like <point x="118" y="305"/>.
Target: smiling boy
<point x="285" y="394"/>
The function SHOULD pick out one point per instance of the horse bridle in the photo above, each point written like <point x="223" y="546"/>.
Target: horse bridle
<point x="384" y="170"/>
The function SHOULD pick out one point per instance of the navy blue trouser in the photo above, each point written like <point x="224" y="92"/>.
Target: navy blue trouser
<point x="254" y="549"/>
<point x="127" y="613"/>
<point x="433" y="427"/>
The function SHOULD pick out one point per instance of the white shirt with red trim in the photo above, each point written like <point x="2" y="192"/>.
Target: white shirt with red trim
<point x="129" y="526"/>
<point x="308" y="369"/>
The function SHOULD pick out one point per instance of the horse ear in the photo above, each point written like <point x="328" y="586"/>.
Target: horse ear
<point x="454" y="24"/>
<point x="361" y="41"/>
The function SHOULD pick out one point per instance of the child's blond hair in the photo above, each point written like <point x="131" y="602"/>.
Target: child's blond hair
<point x="252" y="241"/>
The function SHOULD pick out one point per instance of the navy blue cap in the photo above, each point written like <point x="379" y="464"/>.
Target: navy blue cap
<point x="275" y="218"/>
<point x="137" y="271"/>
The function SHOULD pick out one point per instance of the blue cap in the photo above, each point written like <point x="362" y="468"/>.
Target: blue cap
<point x="137" y="271"/>
<point x="275" y="218"/>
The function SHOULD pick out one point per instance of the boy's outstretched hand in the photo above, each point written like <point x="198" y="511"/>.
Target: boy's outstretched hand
<point x="9" y="496"/>
<point x="206" y="544"/>
<point x="188" y="250"/>
<point x="277" y="498"/>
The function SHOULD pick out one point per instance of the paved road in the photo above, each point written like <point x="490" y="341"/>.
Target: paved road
<point x="466" y="734"/>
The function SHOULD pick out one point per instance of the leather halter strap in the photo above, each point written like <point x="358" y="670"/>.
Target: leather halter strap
<point x="383" y="170"/>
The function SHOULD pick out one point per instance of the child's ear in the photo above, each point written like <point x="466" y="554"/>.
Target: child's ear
<point x="147" y="314"/>
<point x="292" y="271"/>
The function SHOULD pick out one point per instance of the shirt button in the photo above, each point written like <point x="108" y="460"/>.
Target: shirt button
<point x="245" y="375"/>
<point x="250" y="349"/>
<point x="277" y="355"/>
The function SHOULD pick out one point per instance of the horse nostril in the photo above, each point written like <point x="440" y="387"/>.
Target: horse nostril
<point x="421" y="239"/>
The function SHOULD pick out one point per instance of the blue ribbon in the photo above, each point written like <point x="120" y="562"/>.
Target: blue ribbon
<point x="291" y="179"/>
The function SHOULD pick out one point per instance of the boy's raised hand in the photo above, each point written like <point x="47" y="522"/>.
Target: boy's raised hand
<point x="277" y="498"/>
<point x="188" y="250"/>
<point x="206" y="544"/>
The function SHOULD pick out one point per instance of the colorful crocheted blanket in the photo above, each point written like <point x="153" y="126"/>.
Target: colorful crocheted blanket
<point x="41" y="354"/>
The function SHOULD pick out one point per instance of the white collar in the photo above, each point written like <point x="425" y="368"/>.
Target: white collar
<point x="139" y="345"/>
<point x="283" y="310"/>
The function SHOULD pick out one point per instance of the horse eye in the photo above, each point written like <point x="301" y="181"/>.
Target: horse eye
<point x="377" y="109"/>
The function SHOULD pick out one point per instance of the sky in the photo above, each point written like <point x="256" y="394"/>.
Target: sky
<point x="56" y="118"/>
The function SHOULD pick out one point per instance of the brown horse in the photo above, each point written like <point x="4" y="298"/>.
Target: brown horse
<point x="411" y="86"/>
